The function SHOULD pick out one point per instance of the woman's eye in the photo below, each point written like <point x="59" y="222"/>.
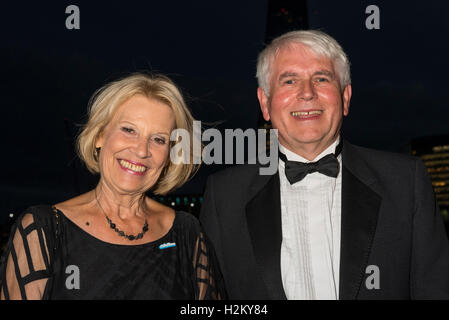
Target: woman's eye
<point x="127" y="130"/>
<point x="159" y="140"/>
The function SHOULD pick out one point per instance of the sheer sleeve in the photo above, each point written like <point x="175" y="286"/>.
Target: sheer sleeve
<point x="24" y="269"/>
<point x="209" y="280"/>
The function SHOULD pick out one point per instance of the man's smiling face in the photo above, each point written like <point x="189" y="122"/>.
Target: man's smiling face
<point x="305" y="103"/>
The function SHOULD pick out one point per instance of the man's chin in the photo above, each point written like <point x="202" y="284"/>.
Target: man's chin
<point x="307" y="141"/>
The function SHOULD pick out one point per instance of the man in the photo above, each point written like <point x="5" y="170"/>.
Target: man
<point x="359" y="224"/>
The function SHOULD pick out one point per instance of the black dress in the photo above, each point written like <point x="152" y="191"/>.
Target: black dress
<point x="46" y="246"/>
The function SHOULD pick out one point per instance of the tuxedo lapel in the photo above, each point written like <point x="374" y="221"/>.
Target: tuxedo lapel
<point x="360" y="207"/>
<point x="361" y="202"/>
<point x="263" y="213"/>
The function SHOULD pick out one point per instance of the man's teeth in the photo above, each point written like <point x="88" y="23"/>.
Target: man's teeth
<point x="131" y="166"/>
<point x="301" y="113"/>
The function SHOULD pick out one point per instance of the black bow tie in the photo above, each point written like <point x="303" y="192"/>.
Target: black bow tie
<point x="296" y="171"/>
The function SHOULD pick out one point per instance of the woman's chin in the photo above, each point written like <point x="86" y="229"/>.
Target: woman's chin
<point x="131" y="188"/>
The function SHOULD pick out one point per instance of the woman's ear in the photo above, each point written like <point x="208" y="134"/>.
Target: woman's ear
<point x="98" y="145"/>
<point x="100" y="140"/>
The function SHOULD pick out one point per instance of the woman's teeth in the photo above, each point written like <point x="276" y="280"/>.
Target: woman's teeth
<point x="306" y="113"/>
<point x="133" y="167"/>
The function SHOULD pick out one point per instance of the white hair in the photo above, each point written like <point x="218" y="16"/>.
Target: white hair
<point x="317" y="41"/>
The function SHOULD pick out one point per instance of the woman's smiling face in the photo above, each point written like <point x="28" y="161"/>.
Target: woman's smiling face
<point x="135" y="145"/>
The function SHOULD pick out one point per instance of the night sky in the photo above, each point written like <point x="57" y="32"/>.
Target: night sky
<point x="209" y="48"/>
<point x="399" y="72"/>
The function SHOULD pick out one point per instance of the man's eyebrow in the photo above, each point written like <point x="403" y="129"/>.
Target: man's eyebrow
<point x="324" y="72"/>
<point x="287" y="74"/>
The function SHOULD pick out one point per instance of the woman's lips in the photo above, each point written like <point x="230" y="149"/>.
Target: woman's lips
<point x="132" y="167"/>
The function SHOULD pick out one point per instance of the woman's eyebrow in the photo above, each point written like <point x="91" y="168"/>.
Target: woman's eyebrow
<point x="125" y="121"/>
<point x="162" y="133"/>
<point x="121" y="122"/>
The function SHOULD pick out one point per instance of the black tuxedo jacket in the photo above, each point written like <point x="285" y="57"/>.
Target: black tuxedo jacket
<point x="389" y="219"/>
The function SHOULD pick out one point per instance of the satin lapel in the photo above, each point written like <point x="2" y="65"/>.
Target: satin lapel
<point x="360" y="208"/>
<point x="263" y="215"/>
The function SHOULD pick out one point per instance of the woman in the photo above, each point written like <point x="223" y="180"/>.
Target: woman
<point x="115" y="242"/>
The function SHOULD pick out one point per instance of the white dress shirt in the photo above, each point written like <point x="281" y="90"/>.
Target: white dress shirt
<point x="311" y="223"/>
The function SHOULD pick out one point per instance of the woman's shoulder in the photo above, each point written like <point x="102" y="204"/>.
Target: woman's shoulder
<point x="187" y="219"/>
<point x="75" y="205"/>
<point x="36" y="217"/>
<point x="186" y="223"/>
<point x="39" y="212"/>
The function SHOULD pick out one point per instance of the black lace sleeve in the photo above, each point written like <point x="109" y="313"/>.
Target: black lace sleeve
<point x="25" y="263"/>
<point x="209" y="280"/>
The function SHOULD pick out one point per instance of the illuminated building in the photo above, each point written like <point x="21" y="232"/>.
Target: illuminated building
<point x="434" y="152"/>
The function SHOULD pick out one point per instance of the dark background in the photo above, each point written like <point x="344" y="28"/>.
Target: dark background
<point x="209" y="48"/>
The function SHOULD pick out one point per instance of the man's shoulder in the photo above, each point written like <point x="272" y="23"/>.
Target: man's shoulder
<point x="380" y="156"/>
<point x="394" y="173"/>
<point x="237" y="179"/>
<point x="239" y="172"/>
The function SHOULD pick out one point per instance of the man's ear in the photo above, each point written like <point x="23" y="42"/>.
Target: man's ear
<point x="263" y="101"/>
<point x="347" y="93"/>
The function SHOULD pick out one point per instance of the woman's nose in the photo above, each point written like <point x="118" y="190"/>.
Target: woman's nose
<point x="142" y="148"/>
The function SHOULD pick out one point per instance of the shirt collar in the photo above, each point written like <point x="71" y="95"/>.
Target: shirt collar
<point x="296" y="157"/>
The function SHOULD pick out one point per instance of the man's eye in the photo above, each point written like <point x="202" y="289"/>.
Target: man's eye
<point x="321" y="79"/>
<point x="127" y="130"/>
<point x="290" y="81"/>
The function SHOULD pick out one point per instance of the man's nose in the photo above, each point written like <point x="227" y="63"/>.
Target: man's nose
<point x="306" y="91"/>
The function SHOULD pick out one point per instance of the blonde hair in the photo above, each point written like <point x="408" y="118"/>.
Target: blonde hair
<point x="105" y="102"/>
<point x="317" y="41"/>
